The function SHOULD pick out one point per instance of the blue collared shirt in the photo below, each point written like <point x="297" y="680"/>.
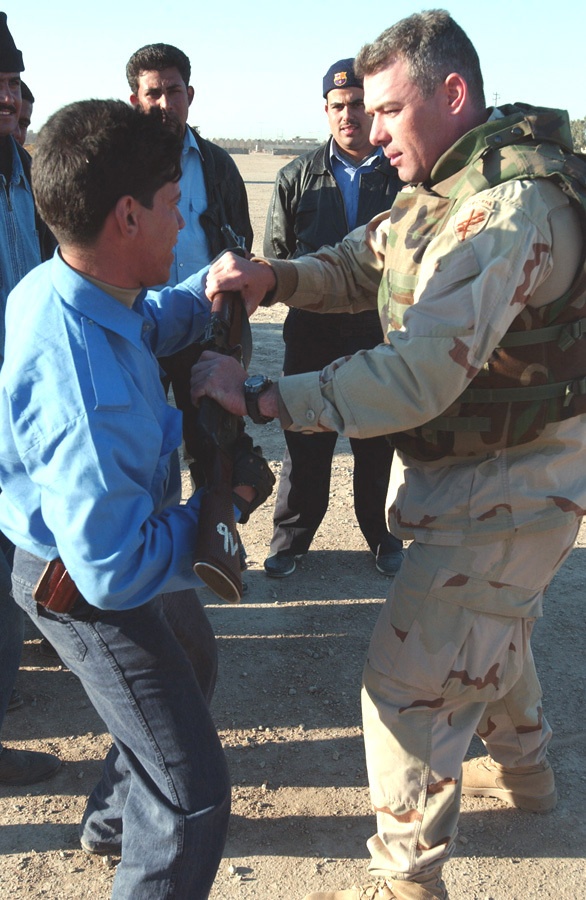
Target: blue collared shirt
<point x="88" y="466"/>
<point x="19" y="240"/>
<point x="191" y="251"/>
<point x="347" y="178"/>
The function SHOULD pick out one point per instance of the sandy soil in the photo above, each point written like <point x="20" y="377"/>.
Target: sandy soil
<point x="287" y="708"/>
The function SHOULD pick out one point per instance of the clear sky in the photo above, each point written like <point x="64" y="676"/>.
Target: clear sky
<point x="257" y="66"/>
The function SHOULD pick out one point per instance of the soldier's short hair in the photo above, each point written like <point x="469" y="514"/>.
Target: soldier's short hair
<point x="433" y="45"/>
<point x="91" y="153"/>
<point x="155" y="58"/>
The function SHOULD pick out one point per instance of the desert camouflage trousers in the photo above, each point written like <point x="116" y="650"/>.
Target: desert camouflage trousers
<point x="450" y="656"/>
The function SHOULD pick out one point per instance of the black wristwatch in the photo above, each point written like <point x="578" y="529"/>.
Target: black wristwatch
<point x="254" y="386"/>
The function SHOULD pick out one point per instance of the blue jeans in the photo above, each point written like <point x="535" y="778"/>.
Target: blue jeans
<point x="165" y="784"/>
<point x="11" y="629"/>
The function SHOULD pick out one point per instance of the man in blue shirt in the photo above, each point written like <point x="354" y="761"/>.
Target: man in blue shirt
<point x="91" y="490"/>
<point x="213" y="205"/>
<point x="318" y="198"/>
<point x="21" y="249"/>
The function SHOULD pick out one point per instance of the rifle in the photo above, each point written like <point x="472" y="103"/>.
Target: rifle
<point x="216" y="559"/>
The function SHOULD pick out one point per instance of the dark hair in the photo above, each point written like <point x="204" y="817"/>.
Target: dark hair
<point x="26" y="93"/>
<point x="155" y="58"/>
<point x="91" y="153"/>
<point x="433" y="46"/>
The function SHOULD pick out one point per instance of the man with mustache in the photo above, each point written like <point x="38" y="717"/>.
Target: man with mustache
<point x="212" y="191"/>
<point x="318" y="198"/>
<point x="26" y="113"/>
<point x="213" y="205"/>
<point x="24" y="243"/>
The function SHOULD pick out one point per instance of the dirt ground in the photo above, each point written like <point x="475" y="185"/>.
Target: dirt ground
<point x="288" y="712"/>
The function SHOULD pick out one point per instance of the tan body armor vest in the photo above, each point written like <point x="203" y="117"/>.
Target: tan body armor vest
<point x="537" y="374"/>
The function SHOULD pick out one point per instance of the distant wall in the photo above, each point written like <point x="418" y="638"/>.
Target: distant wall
<point x="294" y="147"/>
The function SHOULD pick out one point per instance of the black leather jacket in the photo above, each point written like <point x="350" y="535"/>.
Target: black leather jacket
<point x="227" y="205"/>
<point x="226" y="193"/>
<point x="307" y="207"/>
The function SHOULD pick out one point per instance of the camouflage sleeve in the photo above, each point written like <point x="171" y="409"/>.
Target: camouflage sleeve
<point x="474" y="279"/>
<point x="344" y="278"/>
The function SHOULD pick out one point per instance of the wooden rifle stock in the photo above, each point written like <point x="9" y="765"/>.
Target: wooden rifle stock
<point x="216" y="559"/>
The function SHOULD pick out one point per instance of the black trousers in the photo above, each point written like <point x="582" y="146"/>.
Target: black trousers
<point x="312" y="341"/>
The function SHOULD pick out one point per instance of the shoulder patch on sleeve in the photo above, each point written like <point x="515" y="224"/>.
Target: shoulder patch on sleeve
<point x="472" y="218"/>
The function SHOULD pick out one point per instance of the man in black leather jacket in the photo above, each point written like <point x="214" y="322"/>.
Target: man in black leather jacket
<point x="158" y="75"/>
<point x="213" y="194"/>
<point x="318" y="198"/>
<point x="213" y="204"/>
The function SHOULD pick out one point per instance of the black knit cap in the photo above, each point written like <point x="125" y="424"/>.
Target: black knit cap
<point x="341" y="75"/>
<point x="10" y="57"/>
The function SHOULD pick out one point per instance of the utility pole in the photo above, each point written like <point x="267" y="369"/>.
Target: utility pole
<point x="495" y="98"/>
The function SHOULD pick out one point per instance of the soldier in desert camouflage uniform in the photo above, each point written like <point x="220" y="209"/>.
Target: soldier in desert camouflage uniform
<point x="479" y="272"/>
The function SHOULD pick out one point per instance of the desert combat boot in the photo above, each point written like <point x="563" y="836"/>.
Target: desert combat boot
<point x="526" y="787"/>
<point x="427" y="887"/>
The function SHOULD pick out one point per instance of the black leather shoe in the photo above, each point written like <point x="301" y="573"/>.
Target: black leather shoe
<point x="389" y="563"/>
<point x="280" y="566"/>
<point x="26" y="766"/>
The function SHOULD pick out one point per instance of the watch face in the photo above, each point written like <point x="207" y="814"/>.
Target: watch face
<point x="255" y="381"/>
<point x="254" y="386"/>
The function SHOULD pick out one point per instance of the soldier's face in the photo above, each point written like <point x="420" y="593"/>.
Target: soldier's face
<point x="349" y="123"/>
<point x="413" y="131"/>
<point x="10" y="102"/>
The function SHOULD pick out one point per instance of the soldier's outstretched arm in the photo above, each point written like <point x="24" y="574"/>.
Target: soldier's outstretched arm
<point x="254" y="280"/>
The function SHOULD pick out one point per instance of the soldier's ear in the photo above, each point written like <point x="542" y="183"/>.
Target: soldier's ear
<point x="190" y="95"/>
<point x="455" y="92"/>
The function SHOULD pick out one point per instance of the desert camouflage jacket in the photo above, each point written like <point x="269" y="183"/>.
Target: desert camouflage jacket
<point x="471" y="285"/>
<point x="536" y="373"/>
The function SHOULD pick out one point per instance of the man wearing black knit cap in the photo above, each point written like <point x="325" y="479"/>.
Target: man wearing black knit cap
<point x="20" y="251"/>
<point x="318" y="198"/>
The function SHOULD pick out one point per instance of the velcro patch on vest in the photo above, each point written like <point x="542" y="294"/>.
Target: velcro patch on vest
<point x="471" y="219"/>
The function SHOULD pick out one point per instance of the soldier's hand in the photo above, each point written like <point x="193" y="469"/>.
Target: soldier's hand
<point x="254" y="280"/>
<point x="220" y="377"/>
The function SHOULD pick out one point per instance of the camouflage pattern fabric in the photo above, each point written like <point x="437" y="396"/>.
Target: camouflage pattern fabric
<point x="448" y="659"/>
<point x="535" y="375"/>
<point x="469" y="292"/>
<point x="450" y="653"/>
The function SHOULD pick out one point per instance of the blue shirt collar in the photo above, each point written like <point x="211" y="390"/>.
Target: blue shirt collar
<point x="189" y="142"/>
<point x="368" y="161"/>
<point x="81" y="295"/>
